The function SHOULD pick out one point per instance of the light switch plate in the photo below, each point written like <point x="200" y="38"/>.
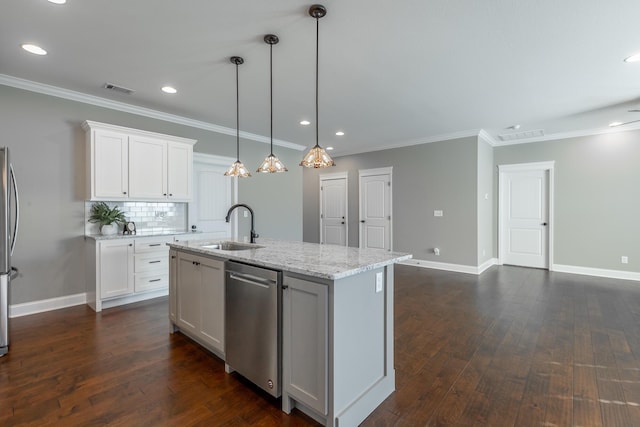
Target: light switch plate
<point x="378" y="282"/>
<point x="438" y="213"/>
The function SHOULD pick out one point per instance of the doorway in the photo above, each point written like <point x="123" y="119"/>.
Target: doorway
<point x="525" y="214"/>
<point x="213" y="195"/>
<point x="375" y="208"/>
<point x="334" y="224"/>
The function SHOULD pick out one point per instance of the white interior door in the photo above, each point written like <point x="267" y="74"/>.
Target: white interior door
<point x="333" y="210"/>
<point x="375" y="209"/>
<point x="213" y="195"/>
<point x="525" y="218"/>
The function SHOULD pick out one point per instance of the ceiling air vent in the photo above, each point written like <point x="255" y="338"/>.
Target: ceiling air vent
<point x="521" y="135"/>
<point x="120" y="89"/>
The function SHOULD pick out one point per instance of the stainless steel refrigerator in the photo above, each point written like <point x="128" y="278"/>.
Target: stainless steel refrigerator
<point x="9" y="214"/>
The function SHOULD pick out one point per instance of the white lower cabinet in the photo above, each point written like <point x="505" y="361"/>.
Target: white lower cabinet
<point x="305" y="343"/>
<point x="115" y="268"/>
<point x="126" y="270"/>
<point x="199" y="299"/>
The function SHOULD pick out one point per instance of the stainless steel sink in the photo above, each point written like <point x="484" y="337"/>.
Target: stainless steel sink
<point x="231" y="246"/>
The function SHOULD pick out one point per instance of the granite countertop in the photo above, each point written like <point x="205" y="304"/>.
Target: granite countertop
<point x="324" y="261"/>
<point x="140" y="234"/>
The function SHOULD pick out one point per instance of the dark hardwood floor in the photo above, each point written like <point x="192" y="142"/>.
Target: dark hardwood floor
<point x="513" y="347"/>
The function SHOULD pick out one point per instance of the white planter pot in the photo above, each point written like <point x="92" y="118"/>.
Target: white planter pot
<point x="109" y="229"/>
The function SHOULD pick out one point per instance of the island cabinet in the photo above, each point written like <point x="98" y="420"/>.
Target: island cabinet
<point x="338" y="345"/>
<point x="131" y="164"/>
<point x="199" y="299"/>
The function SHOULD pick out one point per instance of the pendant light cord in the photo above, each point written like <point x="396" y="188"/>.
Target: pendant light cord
<point x="317" y="61"/>
<point x="271" y="90"/>
<point x="237" y="115"/>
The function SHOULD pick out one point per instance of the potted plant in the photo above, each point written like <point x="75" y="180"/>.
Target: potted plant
<point x="107" y="217"/>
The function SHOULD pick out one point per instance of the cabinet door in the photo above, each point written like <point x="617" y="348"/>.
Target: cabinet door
<point x="189" y="294"/>
<point x="115" y="264"/>
<point x="179" y="170"/>
<point x="304" y="341"/>
<point x="212" y="326"/>
<point x="109" y="161"/>
<point x="173" y="278"/>
<point x="147" y="168"/>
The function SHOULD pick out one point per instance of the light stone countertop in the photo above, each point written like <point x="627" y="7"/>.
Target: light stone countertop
<point x="324" y="261"/>
<point x="139" y="234"/>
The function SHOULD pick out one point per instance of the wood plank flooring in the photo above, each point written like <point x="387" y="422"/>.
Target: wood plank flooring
<point x="512" y="347"/>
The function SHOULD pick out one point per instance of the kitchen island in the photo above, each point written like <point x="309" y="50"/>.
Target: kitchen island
<point x="336" y="319"/>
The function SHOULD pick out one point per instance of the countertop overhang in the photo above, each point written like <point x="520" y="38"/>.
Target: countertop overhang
<point x="311" y="259"/>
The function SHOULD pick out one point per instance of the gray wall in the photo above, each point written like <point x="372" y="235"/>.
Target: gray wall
<point x="597" y="197"/>
<point x="47" y="148"/>
<point x="486" y="203"/>
<point x="440" y="175"/>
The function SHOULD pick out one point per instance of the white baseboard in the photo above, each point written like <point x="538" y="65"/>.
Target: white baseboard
<point x="458" y="268"/>
<point x="24" y="309"/>
<point x="598" y="272"/>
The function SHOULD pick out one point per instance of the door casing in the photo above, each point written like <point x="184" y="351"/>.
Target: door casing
<point x="372" y="172"/>
<point x="328" y="177"/>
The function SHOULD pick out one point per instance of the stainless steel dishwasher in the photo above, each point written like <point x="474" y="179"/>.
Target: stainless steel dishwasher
<point x="253" y="300"/>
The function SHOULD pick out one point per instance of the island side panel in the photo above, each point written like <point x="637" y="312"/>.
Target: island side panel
<point x="362" y="353"/>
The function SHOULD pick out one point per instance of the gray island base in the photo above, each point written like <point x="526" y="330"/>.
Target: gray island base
<point x="336" y="316"/>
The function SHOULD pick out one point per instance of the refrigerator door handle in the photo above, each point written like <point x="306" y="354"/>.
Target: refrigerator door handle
<point x="15" y="191"/>
<point x="14" y="273"/>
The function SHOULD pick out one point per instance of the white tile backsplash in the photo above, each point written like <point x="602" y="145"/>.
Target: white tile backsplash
<point x="150" y="217"/>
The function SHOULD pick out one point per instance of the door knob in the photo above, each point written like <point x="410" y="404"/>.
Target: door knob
<point x="544" y="223"/>
<point x="362" y="221"/>
<point x="342" y="222"/>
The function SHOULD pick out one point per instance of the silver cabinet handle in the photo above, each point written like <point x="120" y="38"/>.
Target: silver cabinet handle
<point x="252" y="280"/>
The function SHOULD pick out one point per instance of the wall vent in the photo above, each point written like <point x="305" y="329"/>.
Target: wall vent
<point x="521" y="135"/>
<point x="116" y="88"/>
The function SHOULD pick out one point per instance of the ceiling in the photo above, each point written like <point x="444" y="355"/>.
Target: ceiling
<point x="391" y="73"/>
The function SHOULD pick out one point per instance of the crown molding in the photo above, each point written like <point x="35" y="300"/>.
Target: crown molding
<point x="572" y="134"/>
<point x="484" y="136"/>
<point x="97" y="101"/>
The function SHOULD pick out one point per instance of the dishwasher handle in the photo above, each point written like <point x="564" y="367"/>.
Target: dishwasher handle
<point x="253" y="280"/>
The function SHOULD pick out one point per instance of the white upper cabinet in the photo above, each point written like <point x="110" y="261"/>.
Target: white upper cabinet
<point x="147" y="168"/>
<point x="130" y="164"/>
<point x="109" y="160"/>
<point x="179" y="172"/>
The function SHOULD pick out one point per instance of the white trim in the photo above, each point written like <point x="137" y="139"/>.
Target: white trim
<point x="33" y="307"/>
<point x="328" y="177"/>
<point x="373" y="172"/>
<point x="597" y="272"/>
<point x="484" y="136"/>
<point x="411" y="142"/>
<point x="87" y="125"/>
<point x="133" y="109"/>
<point x="457" y="268"/>
<point x="212" y="159"/>
<point x="115" y="302"/>
<point x="548" y="166"/>
<point x="572" y="134"/>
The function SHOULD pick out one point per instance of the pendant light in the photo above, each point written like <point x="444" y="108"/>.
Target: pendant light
<point x="271" y="163"/>
<point x="237" y="168"/>
<point x="317" y="157"/>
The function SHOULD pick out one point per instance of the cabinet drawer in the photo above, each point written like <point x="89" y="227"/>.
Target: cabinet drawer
<point x="154" y="261"/>
<point x="152" y="244"/>
<point x="151" y="281"/>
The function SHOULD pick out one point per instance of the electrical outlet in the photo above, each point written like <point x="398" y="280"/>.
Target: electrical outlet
<point x="246" y="214"/>
<point x="624" y="259"/>
<point x="245" y="239"/>
<point x="436" y="251"/>
<point x="378" y="282"/>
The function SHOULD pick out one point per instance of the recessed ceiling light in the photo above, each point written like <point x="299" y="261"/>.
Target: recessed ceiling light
<point x="339" y="133"/>
<point x="633" y="58"/>
<point x="305" y="123"/>
<point x="32" y="48"/>
<point x="58" y="1"/>
<point x="614" y="124"/>
<point x="329" y="148"/>
<point x="169" y="89"/>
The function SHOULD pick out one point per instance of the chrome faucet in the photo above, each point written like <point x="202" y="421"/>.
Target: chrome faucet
<point x="254" y="235"/>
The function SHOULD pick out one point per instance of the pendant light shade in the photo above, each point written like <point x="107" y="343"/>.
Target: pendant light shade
<point x="317" y="157"/>
<point x="237" y="168"/>
<point x="271" y="163"/>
